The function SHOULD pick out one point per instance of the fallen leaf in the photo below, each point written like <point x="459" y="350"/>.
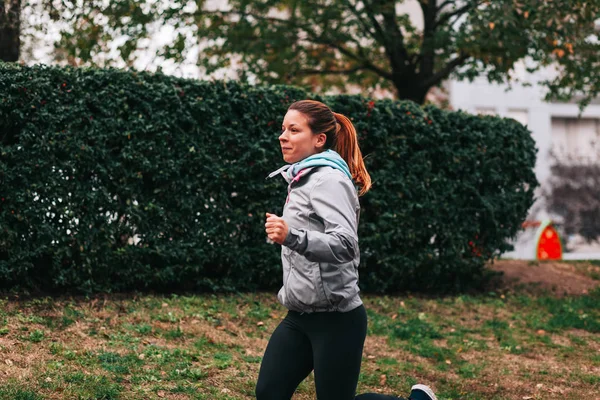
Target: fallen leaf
<point x="165" y="305"/>
<point x="394" y="316"/>
<point x="383" y="379"/>
<point x="448" y="362"/>
<point x="8" y="362"/>
<point x="161" y="393"/>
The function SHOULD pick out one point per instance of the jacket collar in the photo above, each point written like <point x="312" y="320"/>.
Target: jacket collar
<point x="288" y="179"/>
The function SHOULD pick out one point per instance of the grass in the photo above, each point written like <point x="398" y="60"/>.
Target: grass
<point x="495" y="346"/>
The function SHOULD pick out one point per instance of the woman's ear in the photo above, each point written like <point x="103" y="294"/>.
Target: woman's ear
<point x="320" y="141"/>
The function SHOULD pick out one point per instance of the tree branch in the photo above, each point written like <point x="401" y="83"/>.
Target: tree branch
<point x="427" y="46"/>
<point x="459" y="11"/>
<point x="376" y="25"/>
<point x="446" y="3"/>
<point x="445" y="72"/>
<point x="390" y="34"/>
<point x="204" y="13"/>
<point x="398" y="54"/>
<point x="365" y="26"/>
<point x="365" y="63"/>
<point x="330" y="72"/>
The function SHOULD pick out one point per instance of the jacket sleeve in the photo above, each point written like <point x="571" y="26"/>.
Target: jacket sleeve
<point x="332" y="199"/>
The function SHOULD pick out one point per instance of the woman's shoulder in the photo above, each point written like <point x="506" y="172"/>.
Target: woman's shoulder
<point x="329" y="179"/>
<point x="328" y="174"/>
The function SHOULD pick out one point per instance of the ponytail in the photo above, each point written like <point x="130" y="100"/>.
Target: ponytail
<point x="346" y="145"/>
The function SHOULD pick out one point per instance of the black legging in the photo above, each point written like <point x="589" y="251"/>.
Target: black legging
<point x="330" y="342"/>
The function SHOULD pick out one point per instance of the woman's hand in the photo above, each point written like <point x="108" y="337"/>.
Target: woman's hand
<point x="276" y="227"/>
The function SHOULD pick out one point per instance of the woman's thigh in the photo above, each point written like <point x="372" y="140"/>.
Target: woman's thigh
<point x="287" y="361"/>
<point x="338" y="342"/>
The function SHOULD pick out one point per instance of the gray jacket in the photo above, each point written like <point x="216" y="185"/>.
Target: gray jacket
<point x="320" y="254"/>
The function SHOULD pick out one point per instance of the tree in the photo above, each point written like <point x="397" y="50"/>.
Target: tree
<point x="370" y="43"/>
<point x="10" y="21"/>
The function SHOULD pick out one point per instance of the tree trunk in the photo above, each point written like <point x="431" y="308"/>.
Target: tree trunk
<point x="410" y="89"/>
<point x="10" y="27"/>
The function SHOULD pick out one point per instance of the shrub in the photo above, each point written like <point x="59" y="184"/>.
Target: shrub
<point x="114" y="180"/>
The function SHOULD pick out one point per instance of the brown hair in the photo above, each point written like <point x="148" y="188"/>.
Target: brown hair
<point x="341" y="137"/>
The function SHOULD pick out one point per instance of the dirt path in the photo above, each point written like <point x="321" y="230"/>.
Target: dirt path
<point x="559" y="278"/>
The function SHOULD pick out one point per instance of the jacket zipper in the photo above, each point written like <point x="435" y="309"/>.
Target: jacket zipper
<point x="289" y="258"/>
<point x="296" y="179"/>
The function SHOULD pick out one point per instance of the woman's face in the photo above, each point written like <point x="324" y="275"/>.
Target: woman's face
<point x="297" y="139"/>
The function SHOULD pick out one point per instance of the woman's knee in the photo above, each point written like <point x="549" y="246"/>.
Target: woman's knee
<point x="265" y="390"/>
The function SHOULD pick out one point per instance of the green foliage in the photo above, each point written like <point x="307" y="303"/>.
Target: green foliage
<point x="91" y="158"/>
<point x="36" y="336"/>
<point x="15" y="393"/>
<point x="573" y="313"/>
<point x="383" y="44"/>
<point x="118" y="364"/>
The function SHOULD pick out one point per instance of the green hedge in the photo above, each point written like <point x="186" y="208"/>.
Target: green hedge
<point x="89" y="158"/>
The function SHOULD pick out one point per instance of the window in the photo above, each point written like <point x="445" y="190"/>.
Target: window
<point x="575" y="137"/>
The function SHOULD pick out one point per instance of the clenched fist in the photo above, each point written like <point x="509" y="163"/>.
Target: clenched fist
<point x="276" y="227"/>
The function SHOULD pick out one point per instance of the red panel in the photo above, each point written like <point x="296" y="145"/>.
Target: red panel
<point x="549" y="247"/>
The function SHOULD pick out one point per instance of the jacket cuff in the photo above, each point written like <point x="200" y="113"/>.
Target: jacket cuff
<point x="291" y="240"/>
